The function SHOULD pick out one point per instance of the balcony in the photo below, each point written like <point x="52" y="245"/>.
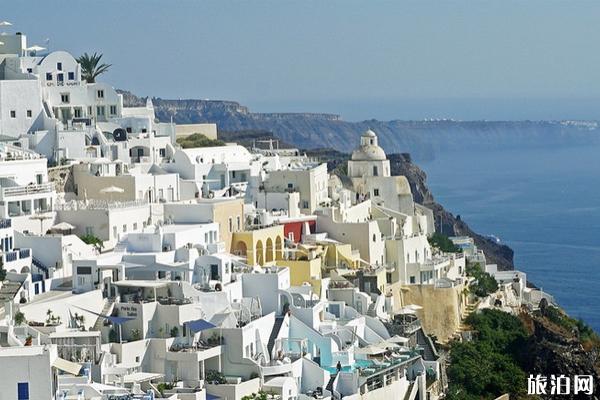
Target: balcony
<point x="15" y="191"/>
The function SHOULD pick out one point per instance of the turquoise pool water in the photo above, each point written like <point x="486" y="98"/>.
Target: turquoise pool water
<point x="350" y="368"/>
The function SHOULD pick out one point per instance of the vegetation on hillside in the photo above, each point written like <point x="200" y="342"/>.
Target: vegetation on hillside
<point x="485" y="283"/>
<point x="198" y="140"/>
<point x="91" y="67"/>
<point x="492" y="364"/>
<point x="561" y="320"/>
<point x="443" y="243"/>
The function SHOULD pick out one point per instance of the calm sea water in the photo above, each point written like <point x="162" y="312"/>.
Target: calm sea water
<point x="543" y="203"/>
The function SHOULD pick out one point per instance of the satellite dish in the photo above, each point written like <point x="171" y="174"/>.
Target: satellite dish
<point x="120" y="135"/>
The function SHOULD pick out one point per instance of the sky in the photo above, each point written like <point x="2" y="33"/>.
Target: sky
<point x="496" y="60"/>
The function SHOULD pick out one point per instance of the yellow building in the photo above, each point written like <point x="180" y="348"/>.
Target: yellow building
<point x="259" y="246"/>
<point x="304" y="270"/>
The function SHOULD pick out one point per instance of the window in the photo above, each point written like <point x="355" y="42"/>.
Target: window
<point x="60" y="77"/>
<point x="305" y="204"/>
<point x="124" y="228"/>
<point x="77" y="112"/>
<point x="375" y="192"/>
<point x="162" y="152"/>
<point x="375" y="171"/>
<point x="100" y="94"/>
<point x="84" y="270"/>
<point x="233" y="174"/>
<point x="71" y="76"/>
<point x="64" y="97"/>
<point x="23" y="391"/>
<point x="243" y="177"/>
<point x="290" y="185"/>
<point x="29" y="113"/>
<point x="13" y="114"/>
<point x="230" y="225"/>
<point x="48" y="76"/>
<point x="59" y="66"/>
<point x="89" y="110"/>
<point x="113" y="110"/>
<point x="30" y="70"/>
<point x="239" y="223"/>
<point x="135" y="226"/>
<point x="100" y="111"/>
<point x="128" y="129"/>
<point x="39" y="178"/>
<point x="374" y="237"/>
<point x="412" y="279"/>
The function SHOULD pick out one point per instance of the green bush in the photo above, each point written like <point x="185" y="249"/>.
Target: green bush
<point x="486" y="283"/>
<point x="443" y="243"/>
<point x="491" y="364"/>
<point x="215" y="377"/>
<point x="198" y="140"/>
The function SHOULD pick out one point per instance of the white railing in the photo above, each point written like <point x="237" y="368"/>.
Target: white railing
<point x="98" y="205"/>
<point x="26" y="190"/>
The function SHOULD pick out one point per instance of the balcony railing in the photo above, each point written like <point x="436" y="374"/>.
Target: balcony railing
<point x="99" y="205"/>
<point x="27" y="190"/>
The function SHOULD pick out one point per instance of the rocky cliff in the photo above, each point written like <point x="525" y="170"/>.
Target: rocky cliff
<point x="445" y="221"/>
<point x="422" y="139"/>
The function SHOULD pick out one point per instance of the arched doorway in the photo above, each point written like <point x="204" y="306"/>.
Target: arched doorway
<point x="259" y="255"/>
<point x="240" y="249"/>
<point x="278" y="248"/>
<point x="270" y="250"/>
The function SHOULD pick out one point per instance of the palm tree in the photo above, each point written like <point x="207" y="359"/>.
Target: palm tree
<point x="91" y="67"/>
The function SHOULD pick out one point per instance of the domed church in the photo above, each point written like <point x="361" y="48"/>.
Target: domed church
<point x="369" y="159"/>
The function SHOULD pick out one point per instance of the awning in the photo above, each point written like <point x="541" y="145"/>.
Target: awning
<point x="67" y="366"/>
<point x="199" y="325"/>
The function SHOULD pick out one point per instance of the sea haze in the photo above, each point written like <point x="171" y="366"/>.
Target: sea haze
<point x="544" y="203"/>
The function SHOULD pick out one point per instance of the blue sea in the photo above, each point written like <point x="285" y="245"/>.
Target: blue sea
<point x="543" y="203"/>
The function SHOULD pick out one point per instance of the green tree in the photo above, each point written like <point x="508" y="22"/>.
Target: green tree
<point x="485" y="284"/>
<point x="19" y="318"/>
<point x="92" y="240"/>
<point x="91" y="67"/>
<point x="490" y="365"/>
<point x="443" y="243"/>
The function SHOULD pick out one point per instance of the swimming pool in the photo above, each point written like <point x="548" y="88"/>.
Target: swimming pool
<point x="350" y="368"/>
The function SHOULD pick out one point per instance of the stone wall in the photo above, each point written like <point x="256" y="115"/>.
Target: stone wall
<point x="63" y="179"/>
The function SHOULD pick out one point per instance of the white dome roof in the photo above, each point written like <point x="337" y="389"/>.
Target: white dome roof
<point x="368" y="153"/>
<point x="369" y="133"/>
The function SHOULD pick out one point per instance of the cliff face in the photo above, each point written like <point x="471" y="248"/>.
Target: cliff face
<point x="551" y="350"/>
<point x="445" y="221"/>
<point x="422" y="139"/>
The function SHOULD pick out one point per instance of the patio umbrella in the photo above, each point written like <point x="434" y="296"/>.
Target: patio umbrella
<point x="370" y="350"/>
<point x="111" y="190"/>
<point x="397" y="339"/>
<point x="35" y="48"/>
<point x="63" y="226"/>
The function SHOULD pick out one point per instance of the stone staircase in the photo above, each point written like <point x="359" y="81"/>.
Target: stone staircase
<point x="274" y="334"/>
<point x="106" y="310"/>
<point x="8" y="291"/>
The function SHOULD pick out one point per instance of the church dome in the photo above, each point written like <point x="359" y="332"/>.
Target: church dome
<point x="368" y="153"/>
<point x="369" y="150"/>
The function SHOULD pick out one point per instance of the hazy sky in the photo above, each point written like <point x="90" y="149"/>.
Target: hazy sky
<point x="398" y="59"/>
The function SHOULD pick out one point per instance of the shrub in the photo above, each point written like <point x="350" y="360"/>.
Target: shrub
<point x="485" y="284"/>
<point x="443" y="243"/>
<point x="198" y="140"/>
<point x="215" y="377"/>
<point x="492" y="364"/>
